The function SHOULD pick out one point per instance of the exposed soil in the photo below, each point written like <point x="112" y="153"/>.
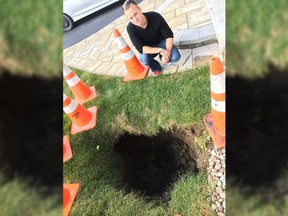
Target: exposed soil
<point x="257" y="128"/>
<point x="153" y="164"/>
<point x="31" y="128"/>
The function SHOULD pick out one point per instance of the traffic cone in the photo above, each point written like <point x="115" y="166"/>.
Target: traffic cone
<point x="80" y="90"/>
<point x="67" y="151"/>
<point x="215" y="121"/>
<point x="136" y="70"/>
<point x="69" y="194"/>
<point x="82" y="118"/>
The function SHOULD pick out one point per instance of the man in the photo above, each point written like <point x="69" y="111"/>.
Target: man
<point x="150" y="35"/>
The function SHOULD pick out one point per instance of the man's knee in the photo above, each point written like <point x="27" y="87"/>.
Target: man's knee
<point x="175" y="57"/>
<point x="144" y="58"/>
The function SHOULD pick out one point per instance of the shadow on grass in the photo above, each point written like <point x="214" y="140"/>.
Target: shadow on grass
<point x="257" y="150"/>
<point x="31" y="129"/>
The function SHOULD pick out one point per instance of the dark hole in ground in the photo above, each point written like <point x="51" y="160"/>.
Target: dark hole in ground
<point x="257" y="150"/>
<point x="31" y="128"/>
<point x="153" y="164"/>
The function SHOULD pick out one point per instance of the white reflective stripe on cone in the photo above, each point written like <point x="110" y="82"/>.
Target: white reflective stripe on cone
<point x="66" y="70"/>
<point x="73" y="81"/>
<point x="71" y="107"/>
<point x="218" y="83"/>
<point x="64" y="97"/>
<point x="128" y="55"/>
<point x="121" y="42"/>
<point x="218" y="105"/>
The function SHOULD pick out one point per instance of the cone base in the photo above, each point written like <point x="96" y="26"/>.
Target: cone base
<point x="76" y="129"/>
<point x="140" y="76"/>
<point x="218" y="139"/>
<point x="73" y="190"/>
<point x="92" y="96"/>
<point x="68" y="151"/>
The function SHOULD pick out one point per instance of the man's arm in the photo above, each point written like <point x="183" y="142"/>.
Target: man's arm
<point x="150" y="50"/>
<point x="169" y="44"/>
<point x="155" y="50"/>
<point x="168" y="34"/>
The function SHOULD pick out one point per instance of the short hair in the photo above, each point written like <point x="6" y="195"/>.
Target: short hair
<point x="127" y="4"/>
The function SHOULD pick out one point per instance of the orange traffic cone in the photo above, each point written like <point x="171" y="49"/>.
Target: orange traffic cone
<point x="80" y="90"/>
<point x="69" y="195"/>
<point x="67" y="151"/>
<point x="215" y="122"/>
<point x="136" y="70"/>
<point x="82" y="118"/>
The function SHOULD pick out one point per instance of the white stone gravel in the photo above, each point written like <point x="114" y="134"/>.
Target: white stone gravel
<point x="216" y="174"/>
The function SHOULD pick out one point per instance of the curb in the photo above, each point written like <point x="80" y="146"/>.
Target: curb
<point x="195" y="37"/>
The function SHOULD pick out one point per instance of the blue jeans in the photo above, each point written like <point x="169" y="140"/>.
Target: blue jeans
<point x="148" y="59"/>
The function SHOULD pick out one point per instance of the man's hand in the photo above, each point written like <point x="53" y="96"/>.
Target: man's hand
<point x="164" y="60"/>
<point x="165" y="55"/>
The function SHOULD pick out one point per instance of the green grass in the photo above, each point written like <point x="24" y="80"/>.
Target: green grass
<point x="189" y="196"/>
<point x="258" y="201"/>
<point x="150" y="103"/>
<point x="31" y="37"/>
<point x="238" y="203"/>
<point x="16" y="198"/>
<point x="138" y="107"/>
<point x="256" y="35"/>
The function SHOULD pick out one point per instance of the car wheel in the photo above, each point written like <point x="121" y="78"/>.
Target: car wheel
<point x="68" y="23"/>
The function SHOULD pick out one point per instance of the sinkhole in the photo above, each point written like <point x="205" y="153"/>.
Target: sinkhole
<point x="31" y="128"/>
<point x="152" y="164"/>
<point x="257" y="149"/>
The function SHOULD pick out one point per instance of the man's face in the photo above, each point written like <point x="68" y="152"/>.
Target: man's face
<point x="135" y="16"/>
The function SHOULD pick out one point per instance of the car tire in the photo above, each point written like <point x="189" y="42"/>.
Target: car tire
<point x="68" y="23"/>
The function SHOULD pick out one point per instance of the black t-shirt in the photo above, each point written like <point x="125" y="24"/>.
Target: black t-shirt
<point x="156" y="30"/>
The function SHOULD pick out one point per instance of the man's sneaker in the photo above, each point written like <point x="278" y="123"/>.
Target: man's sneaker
<point x="156" y="73"/>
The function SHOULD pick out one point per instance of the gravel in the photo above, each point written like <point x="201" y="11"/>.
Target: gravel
<point x="216" y="175"/>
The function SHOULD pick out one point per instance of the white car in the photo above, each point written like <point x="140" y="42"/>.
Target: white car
<point x="74" y="10"/>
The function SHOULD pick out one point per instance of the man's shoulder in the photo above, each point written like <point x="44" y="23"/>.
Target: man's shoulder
<point x="152" y="14"/>
<point x="130" y="26"/>
<point x="153" y="17"/>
